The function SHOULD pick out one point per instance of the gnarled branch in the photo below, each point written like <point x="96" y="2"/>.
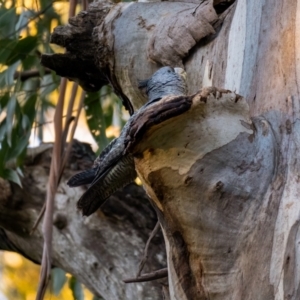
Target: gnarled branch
<point x="100" y="250"/>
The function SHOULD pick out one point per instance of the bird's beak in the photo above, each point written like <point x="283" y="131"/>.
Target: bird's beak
<point x="180" y="72"/>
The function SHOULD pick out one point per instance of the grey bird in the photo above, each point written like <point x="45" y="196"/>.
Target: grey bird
<point x="114" y="168"/>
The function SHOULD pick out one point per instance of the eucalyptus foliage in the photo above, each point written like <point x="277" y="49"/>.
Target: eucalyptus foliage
<point x="25" y="85"/>
<point x="23" y="101"/>
<point x="25" y="88"/>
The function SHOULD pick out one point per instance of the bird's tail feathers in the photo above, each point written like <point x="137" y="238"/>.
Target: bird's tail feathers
<point x="117" y="177"/>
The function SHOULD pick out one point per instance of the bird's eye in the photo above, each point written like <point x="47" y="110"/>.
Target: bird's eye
<point x="169" y="71"/>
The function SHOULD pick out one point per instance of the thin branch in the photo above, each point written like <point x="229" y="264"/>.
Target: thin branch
<point x="145" y="256"/>
<point x="30" y="74"/>
<point x="75" y="123"/>
<point x="21" y="93"/>
<point x="67" y="153"/>
<point x="57" y="165"/>
<point x="37" y="124"/>
<point x="162" y="273"/>
<point x="85" y="4"/>
<point x="72" y="8"/>
<point x="37" y="15"/>
<point x="51" y="190"/>
<point x="39" y="218"/>
<point x="69" y="112"/>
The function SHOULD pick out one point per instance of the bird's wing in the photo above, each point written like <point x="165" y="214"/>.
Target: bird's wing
<point x="118" y="176"/>
<point x="88" y="176"/>
<point x="85" y="177"/>
<point x="105" y="152"/>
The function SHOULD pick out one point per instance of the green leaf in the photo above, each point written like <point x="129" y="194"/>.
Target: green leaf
<point x="29" y="108"/>
<point x="20" y="137"/>
<point x="31" y="62"/>
<point x="20" y="172"/>
<point x="11" y="107"/>
<point x="3" y="101"/>
<point x="7" y="76"/>
<point x="3" y="152"/>
<point x="8" y="19"/>
<point x="23" y="21"/>
<point x="95" y="118"/>
<point x="12" y="175"/>
<point x="19" y="100"/>
<point x="49" y="83"/>
<point x="6" y="46"/>
<point x="22" y="49"/>
<point x="21" y="158"/>
<point x="20" y="144"/>
<point x="59" y="279"/>
<point x="107" y="104"/>
<point x="2" y="130"/>
<point x="25" y="123"/>
<point x="76" y="289"/>
<point x="17" y="131"/>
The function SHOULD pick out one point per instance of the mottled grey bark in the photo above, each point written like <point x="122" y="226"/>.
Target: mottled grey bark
<point x="101" y="250"/>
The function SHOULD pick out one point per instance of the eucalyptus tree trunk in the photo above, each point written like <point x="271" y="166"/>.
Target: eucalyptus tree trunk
<point x="222" y="173"/>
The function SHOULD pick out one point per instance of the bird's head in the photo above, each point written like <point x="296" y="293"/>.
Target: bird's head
<point x="165" y="81"/>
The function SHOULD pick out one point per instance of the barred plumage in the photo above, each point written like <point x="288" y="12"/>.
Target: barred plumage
<point x="114" y="168"/>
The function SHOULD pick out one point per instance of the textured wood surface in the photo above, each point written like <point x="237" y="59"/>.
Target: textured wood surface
<point x="235" y="234"/>
<point x="101" y="250"/>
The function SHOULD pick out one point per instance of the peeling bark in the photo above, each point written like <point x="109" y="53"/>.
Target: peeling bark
<point x="226" y="193"/>
<point x="208" y="190"/>
<point x="177" y="33"/>
<point x="164" y="32"/>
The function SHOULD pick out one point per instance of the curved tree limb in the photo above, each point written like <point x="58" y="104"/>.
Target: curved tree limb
<point x="145" y="256"/>
<point x="149" y="276"/>
<point x="100" y="250"/>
